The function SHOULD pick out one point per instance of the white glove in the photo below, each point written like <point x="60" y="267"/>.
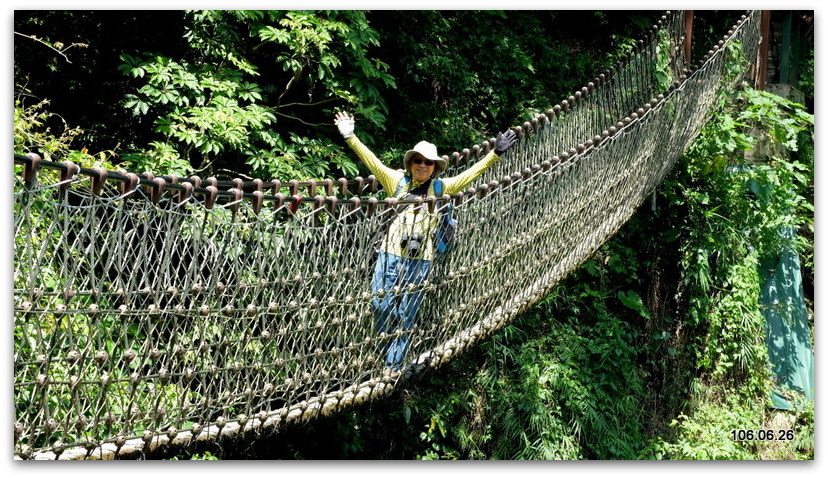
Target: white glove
<point x="345" y="123"/>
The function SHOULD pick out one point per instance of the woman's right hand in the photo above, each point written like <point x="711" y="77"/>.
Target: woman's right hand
<point x="345" y="123"/>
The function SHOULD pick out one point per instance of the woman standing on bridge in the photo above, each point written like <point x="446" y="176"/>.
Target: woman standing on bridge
<point x="408" y="246"/>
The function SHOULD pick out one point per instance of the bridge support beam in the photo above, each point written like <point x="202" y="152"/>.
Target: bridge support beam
<point x="764" y="48"/>
<point x="688" y="37"/>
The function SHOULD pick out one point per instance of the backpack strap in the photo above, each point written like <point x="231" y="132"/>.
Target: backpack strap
<point x="438" y="187"/>
<point x="438" y="192"/>
<point x="445" y="231"/>
<point x="401" y="185"/>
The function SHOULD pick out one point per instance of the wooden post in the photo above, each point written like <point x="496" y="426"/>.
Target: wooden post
<point x="785" y="50"/>
<point x="763" y="50"/>
<point x="796" y="50"/>
<point x="688" y="37"/>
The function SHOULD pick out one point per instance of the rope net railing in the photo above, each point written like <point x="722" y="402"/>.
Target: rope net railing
<point x="153" y="313"/>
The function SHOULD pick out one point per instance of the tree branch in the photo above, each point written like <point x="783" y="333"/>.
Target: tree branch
<point x="295" y="77"/>
<point x="328" y="100"/>
<point x="205" y="164"/>
<point x="56" y="50"/>
<point x="300" y="120"/>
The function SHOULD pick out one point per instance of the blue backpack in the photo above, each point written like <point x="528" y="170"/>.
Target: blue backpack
<point x="447" y="225"/>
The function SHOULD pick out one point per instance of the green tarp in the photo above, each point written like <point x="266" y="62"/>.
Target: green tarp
<point x="786" y="323"/>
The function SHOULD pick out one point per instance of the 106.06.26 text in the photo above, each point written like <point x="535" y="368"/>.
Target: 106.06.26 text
<point x="762" y="435"/>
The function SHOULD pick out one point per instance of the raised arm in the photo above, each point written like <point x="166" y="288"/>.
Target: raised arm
<point x="388" y="177"/>
<point x="458" y="183"/>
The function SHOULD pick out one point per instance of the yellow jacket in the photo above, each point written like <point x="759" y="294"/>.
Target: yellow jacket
<point x="415" y="220"/>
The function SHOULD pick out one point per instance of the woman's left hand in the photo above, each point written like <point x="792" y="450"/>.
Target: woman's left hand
<point x="504" y="141"/>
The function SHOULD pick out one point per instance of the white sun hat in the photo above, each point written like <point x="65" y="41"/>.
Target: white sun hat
<point x="428" y="151"/>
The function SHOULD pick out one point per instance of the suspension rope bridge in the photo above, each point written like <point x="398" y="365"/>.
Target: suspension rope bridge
<point x="158" y="312"/>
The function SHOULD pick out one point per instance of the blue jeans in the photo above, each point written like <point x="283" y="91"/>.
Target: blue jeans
<point x="395" y="312"/>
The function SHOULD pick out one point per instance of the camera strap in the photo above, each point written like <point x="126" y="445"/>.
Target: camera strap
<point x="422" y="189"/>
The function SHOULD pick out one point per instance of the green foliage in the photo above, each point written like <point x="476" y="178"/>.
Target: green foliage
<point x="202" y="456"/>
<point x="733" y="220"/>
<point x="217" y="105"/>
<point x="34" y="132"/>
<point x="662" y="70"/>
<point x="82" y="84"/>
<point x="206" y="456"/>
<point x="208" y="110"/>
<point x="253" y="92"/>
<point x="159" y="157"/>
<point x="734" y="212"/>
<point x="806" y="76"/>
<point x="464" y="75"/>
<point x="719" y="414"/>
<point x="804" y="432"/>
<point x="707" y="434"/>
<point x="735" y="64"/>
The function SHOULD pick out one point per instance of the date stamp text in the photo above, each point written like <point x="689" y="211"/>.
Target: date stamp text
<point x="762" y="435"/>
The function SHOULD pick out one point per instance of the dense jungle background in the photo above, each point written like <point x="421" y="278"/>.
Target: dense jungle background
<point x="654" y="349"/>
